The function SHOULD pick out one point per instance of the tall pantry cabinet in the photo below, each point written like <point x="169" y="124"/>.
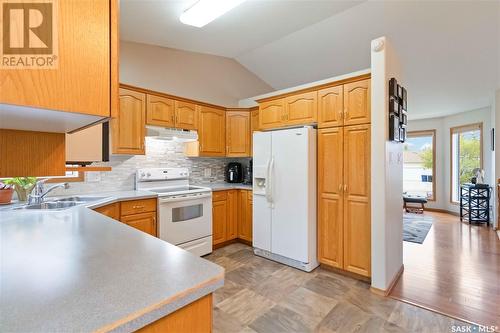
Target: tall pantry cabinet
<point x="344" y="224"/>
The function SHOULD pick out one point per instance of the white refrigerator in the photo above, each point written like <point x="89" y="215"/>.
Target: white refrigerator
<point x="284" y="196"/>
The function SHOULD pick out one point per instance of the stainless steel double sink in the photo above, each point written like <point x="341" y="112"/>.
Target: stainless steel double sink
<point x="61" y="203"/>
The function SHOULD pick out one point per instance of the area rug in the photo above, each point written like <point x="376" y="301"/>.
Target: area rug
<point x="415" y="227"/>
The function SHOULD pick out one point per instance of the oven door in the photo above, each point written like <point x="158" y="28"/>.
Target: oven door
<point x="185" y="219"/>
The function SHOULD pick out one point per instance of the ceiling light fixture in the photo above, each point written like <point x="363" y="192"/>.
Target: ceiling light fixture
<point x="205" y="11"/>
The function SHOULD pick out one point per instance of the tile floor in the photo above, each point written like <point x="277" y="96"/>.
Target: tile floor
<point x="262" y="296"/>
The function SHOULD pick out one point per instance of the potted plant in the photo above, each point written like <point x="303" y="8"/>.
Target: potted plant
<point x="6" y="191"/>
<point x="22" y="186"/>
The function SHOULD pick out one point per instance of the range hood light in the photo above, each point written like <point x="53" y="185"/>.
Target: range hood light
<point x="205" y="11"/>
<point x="170" y="134"/>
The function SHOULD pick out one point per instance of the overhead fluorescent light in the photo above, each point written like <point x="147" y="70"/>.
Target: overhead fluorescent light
<point x="205" y="11"/>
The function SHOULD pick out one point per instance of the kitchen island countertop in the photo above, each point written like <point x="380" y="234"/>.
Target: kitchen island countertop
<point x="78" y="270"/>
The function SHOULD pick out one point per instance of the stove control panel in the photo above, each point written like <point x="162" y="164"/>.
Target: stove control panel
<point x="155" y="174"/>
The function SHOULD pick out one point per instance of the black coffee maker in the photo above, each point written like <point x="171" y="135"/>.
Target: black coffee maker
<point x="234" y="172"/>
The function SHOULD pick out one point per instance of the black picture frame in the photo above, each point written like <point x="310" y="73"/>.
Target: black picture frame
<point x="492" y="139"/>
<point x="398" y="111"/>
<point x="393" y="127"/>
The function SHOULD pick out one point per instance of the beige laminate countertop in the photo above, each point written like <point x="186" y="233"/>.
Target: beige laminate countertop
<point x="77" y="270"/>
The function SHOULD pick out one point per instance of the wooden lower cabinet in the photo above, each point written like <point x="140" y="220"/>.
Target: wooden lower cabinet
<point x="112" y="210"/>
<point x="330" y="196"/>
<point x="231" y="216"/>
<point x="219" y="221"/>
<point x="245" y="222"/>
<point x="357" y="207"/>
<point x="194" y="317"/>
<point x="344" y="222"/>
<point x="130" y="207"/>
<point x="139" y="214"/>
<point x="145" y="222"/>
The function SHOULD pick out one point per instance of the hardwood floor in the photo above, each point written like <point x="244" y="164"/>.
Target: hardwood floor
<point x="456" y="271"/>
<point x="263" y="296"/>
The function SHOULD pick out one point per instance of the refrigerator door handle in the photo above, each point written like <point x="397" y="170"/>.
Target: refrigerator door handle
<point x="271" y="182"/>
<point x="268" y="181"/>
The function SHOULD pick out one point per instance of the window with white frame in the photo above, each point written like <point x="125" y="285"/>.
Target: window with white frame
<point x="419" y="164"/>
<point x="466" y="155"/>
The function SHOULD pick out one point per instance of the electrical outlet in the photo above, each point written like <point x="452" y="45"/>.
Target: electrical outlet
<point x="207" y="172"/>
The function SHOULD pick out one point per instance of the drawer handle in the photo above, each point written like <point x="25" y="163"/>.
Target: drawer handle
<point x="137" y="207"/>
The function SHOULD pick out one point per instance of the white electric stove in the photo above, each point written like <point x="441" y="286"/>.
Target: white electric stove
<point x="185" y="211"/>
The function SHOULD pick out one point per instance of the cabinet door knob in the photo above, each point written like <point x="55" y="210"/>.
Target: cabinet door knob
<point x="340" y="187"/>
<point x="345" y="188"/>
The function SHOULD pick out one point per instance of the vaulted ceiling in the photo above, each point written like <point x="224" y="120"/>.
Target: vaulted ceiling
<point x="449" y="50"/>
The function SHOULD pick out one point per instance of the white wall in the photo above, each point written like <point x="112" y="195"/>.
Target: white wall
<point x="208" y="78"/>
<point x="442" y="126"/>
<point x="386" y="173"/>
<point x="496" y="115"/>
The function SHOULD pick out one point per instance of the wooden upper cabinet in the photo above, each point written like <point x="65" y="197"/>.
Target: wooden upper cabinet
<point x="160" y="111"/>
<point x="357" y="103"/>
<point x="212" y="132"/>
<point x="255" y="120"/>
<point x="128" y="129"/>
<point x="331" y="106"/>
<point x="271" y="114"/>
<point x="254" y="126"/>
<point x="357" y="219"/>
<point x="28" y="153"/>
<point x="186" y="115"/>
<point x="330" y="196"/>
<point x="238" y="134"/>
<point x="301" y="108"/>
<point x="86" y="77"/>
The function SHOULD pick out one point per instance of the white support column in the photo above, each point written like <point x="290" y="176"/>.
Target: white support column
<point x="387" y="171"/>
<point x="496" y="116"/>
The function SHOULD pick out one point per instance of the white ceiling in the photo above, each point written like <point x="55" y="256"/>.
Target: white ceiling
<point x="250" y="25"/>
<point x="449" y="50"/>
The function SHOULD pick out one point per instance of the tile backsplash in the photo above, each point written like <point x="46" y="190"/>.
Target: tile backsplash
<point x="158" y="154"/>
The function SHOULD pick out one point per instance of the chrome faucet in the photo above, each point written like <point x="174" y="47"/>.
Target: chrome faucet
<point x="38" y="193"/>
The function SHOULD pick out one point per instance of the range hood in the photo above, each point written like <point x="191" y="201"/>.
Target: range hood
<point x="171" y="134"/>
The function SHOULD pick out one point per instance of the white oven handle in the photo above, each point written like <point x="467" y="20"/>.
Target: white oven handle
<point x="187" y="198"/>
